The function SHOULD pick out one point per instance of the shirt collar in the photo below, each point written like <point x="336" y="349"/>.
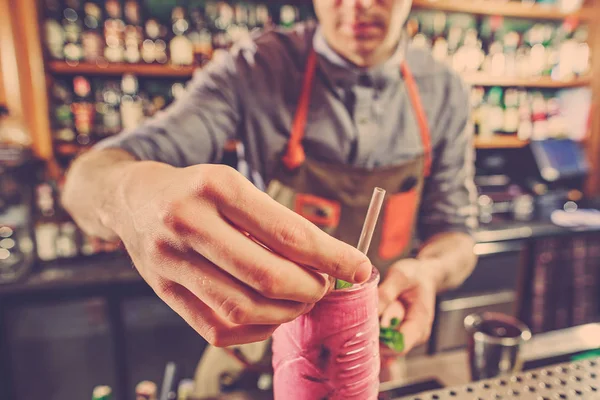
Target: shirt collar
<point x="344" y="74"/>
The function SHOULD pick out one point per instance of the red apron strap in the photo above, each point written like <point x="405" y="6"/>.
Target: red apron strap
<point x="415" y="99"/>
<point x="295" y="156"/>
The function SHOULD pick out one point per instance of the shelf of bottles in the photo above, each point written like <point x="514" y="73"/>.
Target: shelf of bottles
<point x="518" y="70"/>
<point x="546" y="9"/>
<point x="132" y="35"/>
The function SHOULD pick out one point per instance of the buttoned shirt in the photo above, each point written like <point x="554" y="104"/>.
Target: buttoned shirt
<point x="357" y="116"/>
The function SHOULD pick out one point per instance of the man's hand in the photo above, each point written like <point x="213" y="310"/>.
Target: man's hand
<point x="408" y="293"/>
<point x="226" y="257"/>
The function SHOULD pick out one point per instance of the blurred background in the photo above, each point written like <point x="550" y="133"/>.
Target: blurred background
<point x="74" y="312"/>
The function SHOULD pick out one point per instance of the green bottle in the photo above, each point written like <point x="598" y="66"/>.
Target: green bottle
<point x="102" y="393"/>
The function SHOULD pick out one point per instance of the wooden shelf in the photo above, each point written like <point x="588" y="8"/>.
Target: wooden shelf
<point x="480" y="79"/>
<point x="499" y="142"/>
<point x="506" y="9"/>
<point x="156" y="70"/>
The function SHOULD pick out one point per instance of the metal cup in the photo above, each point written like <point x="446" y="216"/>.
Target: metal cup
<point x="494" y="344"/>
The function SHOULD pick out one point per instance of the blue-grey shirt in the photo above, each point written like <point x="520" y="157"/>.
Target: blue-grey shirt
<point x="360" y="117"/>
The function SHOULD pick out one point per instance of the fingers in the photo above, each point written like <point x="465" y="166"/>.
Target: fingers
<point x="268" y="273"/>
<point x="394" y="310"/>
<point x="292" y="236"/>
<point x="226" y="296"/>
<point x="416" y="326"/>
<point x="395" y="283"/>
<point x="206" y="322"/>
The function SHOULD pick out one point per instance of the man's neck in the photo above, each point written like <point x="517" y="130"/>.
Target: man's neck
<point x="371" y="59"/>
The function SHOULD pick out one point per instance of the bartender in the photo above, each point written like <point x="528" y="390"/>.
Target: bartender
<point x="326" y="112"/>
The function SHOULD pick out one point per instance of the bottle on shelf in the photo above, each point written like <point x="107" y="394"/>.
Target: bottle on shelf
<point x="102" y="393"/>
<point x="181" y="48"/>
<point x="83" y="109"/>
<point x="288" y="15"/>
<point x="154" y="47"/>
<point x="63" y="127"/>
<point x="133" y="32"/>
<point x="54" y="33"/>
<point x="146" y="390"/>
<point x="114" y="28"/>
<point x="72" y="24"/>
<point x="108" y="100"/>
<point x="511" y="111"/>
<point x="199" y="33"/>
<point x="539" y="116"/>
<point x="263" y="17"/>
<point x="222" y="24"/>
<point x="132" y="110"/>
<point x="46" y="228"/>
<point x="525" y="129"/>
<point x="92" y="38"/>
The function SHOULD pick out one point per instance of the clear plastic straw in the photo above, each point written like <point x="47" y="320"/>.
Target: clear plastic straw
<point x="371" y="220"/>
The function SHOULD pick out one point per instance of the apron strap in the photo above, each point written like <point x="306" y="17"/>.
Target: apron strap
<point x="415" y="99"/>
<point x="295" y="156"/>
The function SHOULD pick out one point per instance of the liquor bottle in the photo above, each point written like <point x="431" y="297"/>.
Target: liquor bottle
<point x="177" y="90"/>
<point x="102" y="393"/>
<point x="511" y="111"/>
<point x="62" y="116"/>
<point x="199" y="34"/>
<point x="46" y="229"/>
<point x="83" y="109"/>
<point x="114" y="27"/>
<point x="239" y="30"/>
<point x="72" y="25"/>
<point x="133" y="31"/>
<point x="495" y="113"/>
<point x="511" y="43"/>
<point x="288" y="16"/>
<point x="66" y="240"/>
<point x="132" y="111"/>
<point x="54" y="36"/>
<point x="539" y="116"/>
<point x="221" y="37"/>
<point x="180" y="46"/>
<point x="145" y="390"/>
<point x="582" y="55"/>
<point x="476" y="100"/>
<point x="108" y="99"/>
<point x="93" y="41"/>
<point x="263" y="17"/>
<point x="525" y="122"/>
<point x="154" y="48"/>
<point x="185" y="389"/>
<point x="556" y="123"/>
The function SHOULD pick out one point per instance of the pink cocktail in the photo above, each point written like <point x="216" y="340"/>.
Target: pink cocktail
<point x="333" y="351"/>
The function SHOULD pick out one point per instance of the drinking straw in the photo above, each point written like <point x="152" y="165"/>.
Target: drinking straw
<point x="368" y="228"/>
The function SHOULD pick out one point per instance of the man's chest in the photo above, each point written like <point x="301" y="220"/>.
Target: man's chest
<point x="361" y="126"/>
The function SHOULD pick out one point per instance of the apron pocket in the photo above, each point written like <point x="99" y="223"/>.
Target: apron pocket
<point x="400" y="210"/>
<point x="322" y="212"/>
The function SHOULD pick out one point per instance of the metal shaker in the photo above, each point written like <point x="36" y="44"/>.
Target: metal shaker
<point x="494" y="344"/>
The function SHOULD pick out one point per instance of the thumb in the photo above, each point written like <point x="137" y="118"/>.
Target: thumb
<point x="395" y="283"/>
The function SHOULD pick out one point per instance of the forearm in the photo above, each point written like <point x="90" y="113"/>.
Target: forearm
<point x="91" y="191"/>
<point x="448" y="258"/>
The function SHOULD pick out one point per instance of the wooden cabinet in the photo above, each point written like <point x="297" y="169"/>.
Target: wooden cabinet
<point x="23" y="72"/>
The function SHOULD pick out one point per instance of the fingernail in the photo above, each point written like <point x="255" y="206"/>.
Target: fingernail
<point x="363" y="272"/>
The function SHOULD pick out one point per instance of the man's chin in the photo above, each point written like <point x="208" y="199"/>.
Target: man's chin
<point x="364" y="47"/>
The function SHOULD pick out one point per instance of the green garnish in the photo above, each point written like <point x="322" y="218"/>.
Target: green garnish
<point x="340" y="284"/>
<point x="391" y="337"/>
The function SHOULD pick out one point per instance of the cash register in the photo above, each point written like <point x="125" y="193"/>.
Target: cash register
<point x="530" y="182"/>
